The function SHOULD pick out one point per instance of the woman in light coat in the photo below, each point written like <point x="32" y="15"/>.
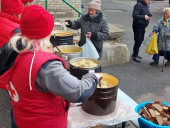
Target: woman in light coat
<point x="163" y="29"/>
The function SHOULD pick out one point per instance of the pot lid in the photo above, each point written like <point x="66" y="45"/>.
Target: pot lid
<point x="61" y="33"/>
<point x="69" y="49"/>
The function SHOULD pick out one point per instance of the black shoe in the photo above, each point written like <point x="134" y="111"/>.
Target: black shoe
<point x="167" y="63"/>
<point x="139" y="57"/>
<point x="154" y="63"/>
<point x="136" y="60"/>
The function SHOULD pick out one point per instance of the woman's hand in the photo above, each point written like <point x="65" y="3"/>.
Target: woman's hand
<point x="88" y="35"/>
<point x="66" y="23"/>
<point x="99" y="77"/>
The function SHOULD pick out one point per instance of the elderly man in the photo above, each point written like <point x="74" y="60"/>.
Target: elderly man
<point x="141" y="16"/>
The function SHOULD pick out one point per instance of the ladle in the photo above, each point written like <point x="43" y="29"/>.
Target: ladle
<point x="100" y="85"/>
<point x="58" y="49"/>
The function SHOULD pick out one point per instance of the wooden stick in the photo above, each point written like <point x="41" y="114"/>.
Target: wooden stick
<point x="164" y="55"/>
<point x="58" y="49"/>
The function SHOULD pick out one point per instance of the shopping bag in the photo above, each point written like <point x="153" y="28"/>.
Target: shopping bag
<point x="89" y="50"/>
<point x="148" y="39"/>
<point x="152" y="47"/>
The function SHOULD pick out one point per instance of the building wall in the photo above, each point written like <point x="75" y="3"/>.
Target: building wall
<point x="59" y="9"/>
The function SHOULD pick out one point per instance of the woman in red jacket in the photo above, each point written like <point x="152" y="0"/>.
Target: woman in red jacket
<point x="9" y="26"/>
<point x="38" y="83"/>
<point x="9" y="19"/>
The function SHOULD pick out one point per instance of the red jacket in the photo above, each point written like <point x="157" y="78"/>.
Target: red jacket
<point x="32" y="108"/>
<point x="8" y="24"/>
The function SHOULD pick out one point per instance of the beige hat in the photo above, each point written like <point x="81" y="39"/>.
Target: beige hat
<point x="95" y="4"/>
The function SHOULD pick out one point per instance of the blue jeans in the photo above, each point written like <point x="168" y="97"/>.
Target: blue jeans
<point x="13" y="125"/>
<point x="161" y="53"/>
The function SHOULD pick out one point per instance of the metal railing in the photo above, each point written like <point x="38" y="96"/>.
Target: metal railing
<point x="80" y="13"/>
<point x="46" y="4"/>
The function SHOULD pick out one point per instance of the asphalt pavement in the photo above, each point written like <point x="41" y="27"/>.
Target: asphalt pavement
<point x="141" y="82"/>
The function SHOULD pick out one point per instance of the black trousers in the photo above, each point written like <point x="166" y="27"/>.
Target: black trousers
<point x="138" y="38"/>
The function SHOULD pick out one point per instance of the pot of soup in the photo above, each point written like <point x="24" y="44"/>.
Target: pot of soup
<point x="60" y="37"/>
<point x="103" y="100"/>
<point x="69" y="52"/>
<point x="83" y="65"/>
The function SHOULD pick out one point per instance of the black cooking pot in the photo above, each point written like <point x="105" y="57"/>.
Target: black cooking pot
<point x="59" y="37"/>
<point x="103" y="100"/>
<point x="79" y="72"/>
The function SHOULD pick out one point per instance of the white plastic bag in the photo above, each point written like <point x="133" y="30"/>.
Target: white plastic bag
<point x="60" y="26"/>
<point x="148" y="39"/>
<point x="89" y="50"/>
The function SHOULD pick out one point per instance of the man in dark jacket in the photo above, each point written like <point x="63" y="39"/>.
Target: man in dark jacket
<point x="141" y="16"/>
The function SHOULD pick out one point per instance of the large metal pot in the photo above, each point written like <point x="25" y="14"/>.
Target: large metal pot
<point x="103" y="100"/>
<point x="79" y="72"/>
<point x="76" y="52"/>
<point x="59" y="37"/>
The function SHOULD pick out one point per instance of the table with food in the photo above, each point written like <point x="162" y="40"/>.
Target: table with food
<point x="106" y="106"/>
<point x="103" y="104"/>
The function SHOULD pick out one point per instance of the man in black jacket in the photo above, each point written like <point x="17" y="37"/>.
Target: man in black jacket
<point x="141" y="16"/>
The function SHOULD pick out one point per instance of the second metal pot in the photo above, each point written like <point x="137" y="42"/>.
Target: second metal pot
<point x="79" y="72"/>
<point x="77" y="52"/>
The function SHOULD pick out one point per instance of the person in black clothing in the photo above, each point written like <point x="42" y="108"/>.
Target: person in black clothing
<point x="141" y="16"/>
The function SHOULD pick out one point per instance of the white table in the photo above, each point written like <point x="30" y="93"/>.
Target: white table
<point x="130" y="102"/>
<point x="124" y="99"/>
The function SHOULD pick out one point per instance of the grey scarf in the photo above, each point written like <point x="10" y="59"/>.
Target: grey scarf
<point x="93" y="16"/>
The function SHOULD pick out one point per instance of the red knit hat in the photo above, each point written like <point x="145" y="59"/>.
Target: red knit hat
<point x="27" y="0"/>
<point x="12" y="6"/>
<point x="36" y="22"/>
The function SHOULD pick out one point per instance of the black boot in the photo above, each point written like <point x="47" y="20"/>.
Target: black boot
<point x="136" y="60"/>
<point x="167" y="63"/>
<point x="153" y="63"/>
<point x="139" y="57"/>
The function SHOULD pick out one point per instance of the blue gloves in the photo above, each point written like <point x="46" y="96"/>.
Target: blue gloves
<point x="155" y="30"/>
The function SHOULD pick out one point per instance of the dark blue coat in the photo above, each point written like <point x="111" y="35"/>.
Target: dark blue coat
<point x="140" y="10"/>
